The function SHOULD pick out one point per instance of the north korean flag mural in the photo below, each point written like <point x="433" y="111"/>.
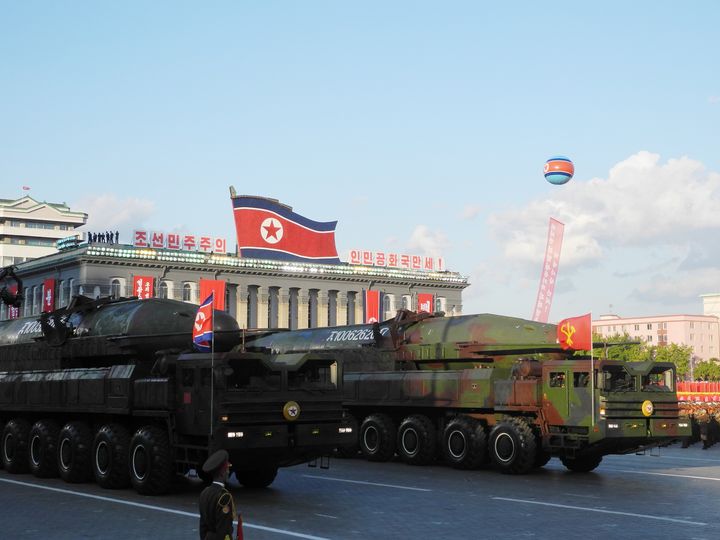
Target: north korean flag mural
<point x="373" y="302"/>
<point x="268" y="229"/>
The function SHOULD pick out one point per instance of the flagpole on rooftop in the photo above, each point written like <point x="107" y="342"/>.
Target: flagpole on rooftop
<point x="592" y="378"/>
<point x="212" y="362"/>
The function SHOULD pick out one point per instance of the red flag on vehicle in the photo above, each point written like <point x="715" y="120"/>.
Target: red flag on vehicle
<point x="268" y="229"/>
<point x="575" y="333"/>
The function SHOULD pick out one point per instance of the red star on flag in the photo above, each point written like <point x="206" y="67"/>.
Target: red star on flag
<point x="272" y="230"/>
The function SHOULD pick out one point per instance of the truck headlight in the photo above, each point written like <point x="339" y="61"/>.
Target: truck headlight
<point x="683" y="424"/>
<point x="345" y="430"/>
<point x="613" y="426"/>
<point x="235" y="434"/>
<point x="602" y="411"/>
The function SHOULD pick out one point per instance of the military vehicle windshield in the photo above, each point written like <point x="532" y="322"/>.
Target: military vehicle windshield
<point x="314" y="375"/>
<point x="660" y="379"/>
<point x="617" y="379"/>
<point x="252" y="375"/>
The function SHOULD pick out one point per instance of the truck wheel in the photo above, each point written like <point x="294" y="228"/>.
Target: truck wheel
<point x="110" y="455"/>
<point x="73" y="452"/>
<point x="582" y="464"/>
<point x="377" y="437"/>
<point x="416" y="440"/>
<point x="15" y="445"/>
<point x="43" y="448"/>
<point x="151" y="466"/>
<point x="541" y="458"/>
<point x="259" y="478"/>
<point x="465" y="443"/>
<point x="512" y="446"/>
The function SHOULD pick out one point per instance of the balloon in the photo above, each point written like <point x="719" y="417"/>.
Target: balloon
<point x="559" y="170"/>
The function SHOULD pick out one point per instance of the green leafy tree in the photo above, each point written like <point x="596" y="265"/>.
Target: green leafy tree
<point x="677" y="354"/>
<point x="624" y="348"/>
<point x="708" y="371"/>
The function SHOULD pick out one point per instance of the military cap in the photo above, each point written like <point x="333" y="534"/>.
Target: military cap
<point x="215" y="461"/>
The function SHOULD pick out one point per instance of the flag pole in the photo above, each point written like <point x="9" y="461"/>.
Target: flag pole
<point x="212" y="363"/>
<point x="592" y="378"/>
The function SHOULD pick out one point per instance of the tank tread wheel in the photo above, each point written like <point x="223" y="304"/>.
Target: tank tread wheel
<point x="110" y="456"/>
<point x="74" y="447"/>
<point x="377" y="437"/>
<point x="416" y="440"/>
<point x="150" y="461"/>
<point x="512" y="446"/>
<point x="14" y="445"/>
<point x="465" y="443"/>
<point x="42" y="452"/>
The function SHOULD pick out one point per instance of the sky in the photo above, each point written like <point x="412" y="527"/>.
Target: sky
<point x="421" y="127"/>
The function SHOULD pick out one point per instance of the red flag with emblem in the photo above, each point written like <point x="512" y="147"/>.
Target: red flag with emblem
<point x="575" y="333"/>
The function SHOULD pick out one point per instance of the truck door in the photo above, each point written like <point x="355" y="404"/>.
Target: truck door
<point x="580" y="396"/>
<point x="556" y="382"/>
<point x="194" y="399"/>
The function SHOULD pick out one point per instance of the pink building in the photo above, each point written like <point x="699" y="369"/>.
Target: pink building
<point x="701" y="332"/>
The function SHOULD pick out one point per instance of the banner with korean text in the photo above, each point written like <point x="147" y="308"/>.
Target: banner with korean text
<point x="215" y="286"/>
<point x="13" y="312"/>
<point x="548" y="277"/>
<point x="48" y="295"/>
<point x="143" y="287"/>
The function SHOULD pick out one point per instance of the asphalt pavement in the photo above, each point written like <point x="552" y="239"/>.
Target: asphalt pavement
<point x="673" y="495"/>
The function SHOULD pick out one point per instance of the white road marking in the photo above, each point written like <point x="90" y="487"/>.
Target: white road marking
<point x="365" y="483"/>
<point x="601" y="511"/>
<point x="157" y="508"/>
<point x="668" y="474"/>
<point x="327" y="516"/>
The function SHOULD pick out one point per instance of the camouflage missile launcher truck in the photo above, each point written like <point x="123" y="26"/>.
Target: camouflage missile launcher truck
<point x="102" y="388"/>
<point x="481" y="388"/>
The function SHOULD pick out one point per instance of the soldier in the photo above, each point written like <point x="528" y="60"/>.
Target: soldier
<point x="704" y="420"/>
<point x="217" y="508"/>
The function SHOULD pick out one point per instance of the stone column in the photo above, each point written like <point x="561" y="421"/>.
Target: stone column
<point x="241" y="305"/>
<point x="342" y="304"/>
<point x="303" y="299"/>
<point x="283" y="308"/>
<point x="262" y="307"/>
<point x="322" y="309"/>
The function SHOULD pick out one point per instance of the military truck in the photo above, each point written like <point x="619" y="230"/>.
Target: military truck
<point x="479" y="388"/>
<point x="111" y="389"/>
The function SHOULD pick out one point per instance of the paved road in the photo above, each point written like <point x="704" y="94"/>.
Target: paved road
<point x="671" y="496"/>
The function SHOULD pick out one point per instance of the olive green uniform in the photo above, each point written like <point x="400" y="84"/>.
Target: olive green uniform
<point x="217" y="512"/>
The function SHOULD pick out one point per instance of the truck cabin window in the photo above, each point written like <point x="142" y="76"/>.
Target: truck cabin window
<point x="252" y="375"/>
<point x="618" y="380"/>
<point x="581" y="379"/>
<point x="557" y="379"/>
<point x="659" y="380"/>
<point x="314" y="375"/>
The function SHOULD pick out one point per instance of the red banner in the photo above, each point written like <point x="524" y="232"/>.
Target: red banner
<point x="575" y="333"/>
<point x="143" y="287"/>
<point x="549" y="272"/>
<point x="48" y="295"/>
<point x="426" y="302"/>
<point x="13" y="312"/>
<point x="215" y="286"/>
<point x="372" y="306"/>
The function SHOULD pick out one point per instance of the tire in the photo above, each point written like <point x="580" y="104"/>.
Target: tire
<point x="416" y="440"/>
<point x="14" y="450"/>
<point x="465" y="443"/>
<point x="541" y="458"/>
<point x="377" y="437"/>
<point x="512" y="446"/>
<point x="74" y="448"/>
<point x="582" y="464"/>
<point x="110" y="457"/>
<point x="256" y="479"/>
<point x="42" y="451"/>
<point x="150" y="461"/>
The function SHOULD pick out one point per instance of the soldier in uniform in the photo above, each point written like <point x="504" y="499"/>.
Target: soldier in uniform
<point x="217" y="508"/>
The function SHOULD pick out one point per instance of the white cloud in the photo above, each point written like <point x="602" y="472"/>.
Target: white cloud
<point x="427" y="242"/>
<point x="641" y="203"/>
<point x="110" y="212"/>
<point x="471" y="211"/>
<point x="714" y="99"/>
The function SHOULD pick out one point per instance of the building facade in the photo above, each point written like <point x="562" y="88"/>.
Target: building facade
<point x="258" y="293"/>
<point x="29" y="229"/>
<point x="701" y="332"/>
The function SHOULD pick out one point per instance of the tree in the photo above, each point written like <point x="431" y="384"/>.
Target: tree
<point x="678" y="355"/>
<point x="624" y="349"/>
<point x="708" y="371"/>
